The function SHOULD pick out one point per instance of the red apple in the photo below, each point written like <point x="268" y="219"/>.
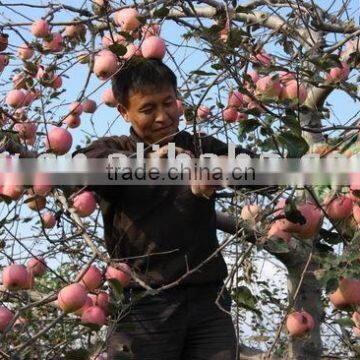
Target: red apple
<point x="122" y="274"/>
<point x="72" y="298"/>
<point x="59" y="140"/>
<point x="37" y="266"/>
<point x="153" y="47"/>
<point x="6" y="317"/>
<point x="15" y="277"/>
<point x="92" y="279"/>
<point x="84" y="203"/>
<point x="94" y="315"/>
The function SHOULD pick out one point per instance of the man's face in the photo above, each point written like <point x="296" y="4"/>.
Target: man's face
<point x="153" y="113"/>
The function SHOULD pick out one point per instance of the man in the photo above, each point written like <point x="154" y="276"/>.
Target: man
<point x="163" y="232"/>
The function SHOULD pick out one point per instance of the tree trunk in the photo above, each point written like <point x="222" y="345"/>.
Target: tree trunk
<point x="309" y="299"/>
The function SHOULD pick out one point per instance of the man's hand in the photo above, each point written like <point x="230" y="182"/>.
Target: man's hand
<point x="202" y="189"/>
<point x="163" y="151"/>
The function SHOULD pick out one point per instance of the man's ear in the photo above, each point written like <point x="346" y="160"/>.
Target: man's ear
<point x="123" y="111"/>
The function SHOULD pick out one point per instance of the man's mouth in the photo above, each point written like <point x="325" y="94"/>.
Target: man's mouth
<point x="164" y="128"/>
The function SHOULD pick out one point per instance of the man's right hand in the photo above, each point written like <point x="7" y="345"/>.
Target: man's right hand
<point x="163" y="151"/>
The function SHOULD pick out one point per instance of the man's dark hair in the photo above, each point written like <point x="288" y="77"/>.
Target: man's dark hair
<point x="138" y="73"/>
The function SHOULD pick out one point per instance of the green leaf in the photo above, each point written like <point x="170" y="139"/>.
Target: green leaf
<point x="202" y="73"/>
<point x="217" y="66"/>
<point x="247" y="126"/>
<point x="77" y="354"/>
<point x="345" y="322"/>
<point x="236" y="37"/>
<point x="293" y="214"/>
<point x="116" y="287"/>
<point x="331" y="238"/>
<point x="323" y="248"/>
<point x="126" y="35"/>
<point x="276" y="246"/>
<point x="242" y="9"/>
<point x="118" y="49"/>
<point x="331" y="284"/>
<point x="292" y="123"/>
<point x="161" y="13"/>
<point x="295" y="145"/>
<point x="245" y="299"/>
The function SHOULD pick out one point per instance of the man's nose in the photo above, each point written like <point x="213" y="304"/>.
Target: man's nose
<point x="163" y="117"/>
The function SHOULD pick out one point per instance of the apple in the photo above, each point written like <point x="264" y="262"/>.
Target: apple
<point x="132" y="50"/>
<point x="6" y="317"/>
<point x="11" y="187"/>
<point x="19" y="81"/>
<point x="299" y="322"/>
<point x="102" y="300"/>
<point x="76" y="108"/>
<point x="89" y="302"/>
<point x="49" y="220"/>
<point x="250" y="212"/>
<point x="72" y="297"/>
<point x="356" y="319"/>
<point x="72" y="121"/>
<point x="40" y="28"/>
<point x="107" y="40"/>
<point x="105" y="64"/>
<point x="338" y="207"/>
<point x="58" y="140"/>
<point x="93" y="315"/>
<point x="230" y="114"/>
<point x="153" y="47"/>
<point x="235" y="99"/>
<point x="276" y="231"/>
<point x="4" y="60"/>
<point x="25" y="130"/>
<point x="36" y="203"/>
<point x="150" y="30"/>
<point x="55" y="44"/>
<point x="89" y="106"/>
<point x="76" y="31"/>
<point x="84" y="203"/>
<point x="37" y="266"/>
<point x="127" y="19"/>
<point x="15" y="277"/>
<point x="268" y="87"/>
<point x="356" y="213"/>
<point x="203" y="112"/>
<point x="261" y="58"/>
<point x="294" y="92"/>
<point x="108" y="98"/>
<point x="338" y="74"/>
<point x="92" y="279"/>
<point x="56" y="82"/>
<point x="122" y="274"/>
<point x="3" y="41"/>
<point x="15" y="98"/>
<point x="348" y="293"/>
<point x="25" y="52"/>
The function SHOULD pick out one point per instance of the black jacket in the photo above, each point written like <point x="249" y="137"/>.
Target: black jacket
<point x="160" y="231"/>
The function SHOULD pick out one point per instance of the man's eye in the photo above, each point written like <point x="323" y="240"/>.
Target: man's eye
<point x="146" y="111"/>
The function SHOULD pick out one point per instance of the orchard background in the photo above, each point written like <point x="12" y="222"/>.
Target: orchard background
<point x="274" y="76"/>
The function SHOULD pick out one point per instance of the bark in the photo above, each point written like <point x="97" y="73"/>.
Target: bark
<point x="309" y="299"/>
